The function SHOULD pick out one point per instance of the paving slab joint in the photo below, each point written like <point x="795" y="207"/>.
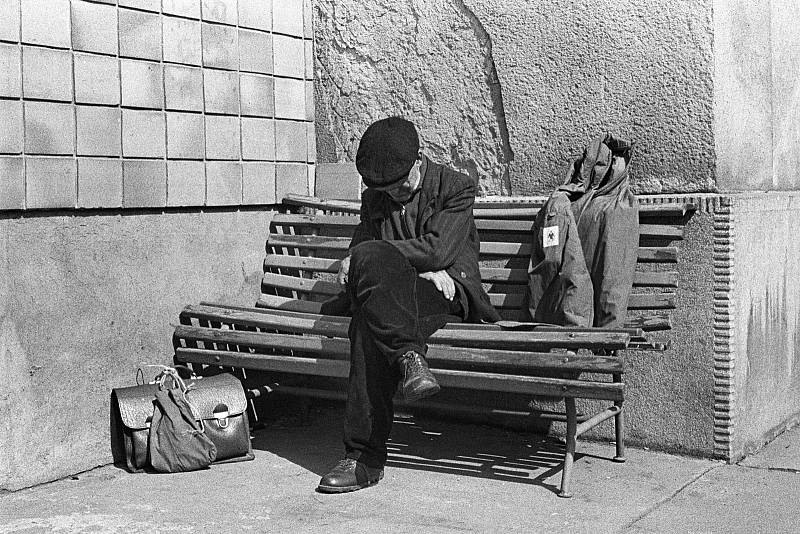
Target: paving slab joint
<point x="669" y="497"/>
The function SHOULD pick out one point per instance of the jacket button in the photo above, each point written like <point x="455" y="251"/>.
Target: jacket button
<point x="463" y="274"/>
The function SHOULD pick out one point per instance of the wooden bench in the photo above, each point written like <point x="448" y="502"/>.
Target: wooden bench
<point x="285" y="333"/>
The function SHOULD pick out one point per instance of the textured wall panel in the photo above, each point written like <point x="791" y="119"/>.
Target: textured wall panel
<point x="508" y="90"/>
<point x="143" y="134"/>
<point x="258" y="183"/>
<point x="144" y="184"/>
<point x="258" y="139"/>
<point x="94" y="28"/>
<point x="50" y="183"/>
<point x="223" y="137"/>
<point x="142" y="84"/>
<point x="10" y="67"/>
<point x="99" y="183"/>
<point x="182" y="41"/>
<point x="255" y="14"/>
<point x="10" y="127"/>
<point x="139" y="35"/>
<point x="46" y="74"/>
<point x="97" y="79"/>
<point x="183" y="88"/>
<point x="48" y="26"/>
<point x="186" y="183"/>
<point x="12" y="183"/>
<point x="185" y="135"/>
<point x="99" y="131"/>
<point x="10" y="21"/>
<point x="49" y="128"/>
<point x="223" y="183"/>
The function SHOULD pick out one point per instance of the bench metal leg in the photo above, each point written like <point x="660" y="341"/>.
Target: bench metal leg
<point x="619" y="427"/>
<point x="569" y="455"/>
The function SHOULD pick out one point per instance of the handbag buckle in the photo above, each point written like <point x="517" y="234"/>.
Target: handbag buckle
<point x="221" y="414"/>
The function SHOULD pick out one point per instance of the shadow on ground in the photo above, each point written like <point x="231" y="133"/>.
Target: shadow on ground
<point x="425" y="444"/>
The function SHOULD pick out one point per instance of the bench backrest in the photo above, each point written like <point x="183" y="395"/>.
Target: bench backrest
<point x="302" y="247"/>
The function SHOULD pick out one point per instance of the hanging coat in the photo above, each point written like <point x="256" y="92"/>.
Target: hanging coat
<point x="606" y="214"/>
<point x="559" y="286"/>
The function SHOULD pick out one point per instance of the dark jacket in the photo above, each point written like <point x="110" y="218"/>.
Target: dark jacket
<point x="447" y="237"/>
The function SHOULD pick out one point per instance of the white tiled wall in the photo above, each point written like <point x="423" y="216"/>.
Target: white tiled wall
<point x="153" y="103"/>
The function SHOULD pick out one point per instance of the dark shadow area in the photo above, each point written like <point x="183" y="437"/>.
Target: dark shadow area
<point x="421" y="443"/>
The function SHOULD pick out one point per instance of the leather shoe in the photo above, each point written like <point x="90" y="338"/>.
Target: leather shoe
<point x="418" y="381"/>
<point x="349" y="475"/>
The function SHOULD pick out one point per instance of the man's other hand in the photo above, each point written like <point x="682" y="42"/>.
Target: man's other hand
<point x="442" y="281"/>
<point x="344" y="268"/>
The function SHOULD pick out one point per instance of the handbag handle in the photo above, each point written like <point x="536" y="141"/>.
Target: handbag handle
<point x="140" y="380"/>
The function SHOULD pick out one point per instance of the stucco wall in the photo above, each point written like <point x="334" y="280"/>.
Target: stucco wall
<point x="510" y="90"/>
<point x="670" y="395"/>
<point x="765" y="335"/>
<point x="757" y="94"/>
<point x="83" y="301"/>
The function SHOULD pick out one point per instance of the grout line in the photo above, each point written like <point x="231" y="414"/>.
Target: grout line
<point x="204" y="111"/>
<point x="239" y="108"/>
<point x="121" y="118"/>
<point x="22" y="111"/>
<point x="164" y="106"/>
<point x="668" y="498"/>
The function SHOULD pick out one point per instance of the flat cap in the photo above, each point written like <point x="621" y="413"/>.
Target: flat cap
<point x="387" y="151"/>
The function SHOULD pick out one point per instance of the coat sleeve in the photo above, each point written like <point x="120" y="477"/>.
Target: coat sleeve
<point x="444" y="234"/>
<point x="365" y="230"/>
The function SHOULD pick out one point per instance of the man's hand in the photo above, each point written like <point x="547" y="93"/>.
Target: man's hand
<point x="344" y="268"/>
<point x="443" y="282"/>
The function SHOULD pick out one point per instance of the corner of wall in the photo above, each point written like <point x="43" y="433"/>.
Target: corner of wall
<point x="724" y="331"/>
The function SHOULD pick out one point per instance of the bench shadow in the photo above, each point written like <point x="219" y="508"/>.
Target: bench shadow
<point x="425" y="444"/>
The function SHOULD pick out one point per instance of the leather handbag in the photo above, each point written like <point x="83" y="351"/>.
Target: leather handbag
<point x="219" y="405"/>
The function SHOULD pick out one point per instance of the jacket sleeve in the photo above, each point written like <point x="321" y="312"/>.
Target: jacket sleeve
<point x="444" y="234"/>
<point x="365" y="230"/>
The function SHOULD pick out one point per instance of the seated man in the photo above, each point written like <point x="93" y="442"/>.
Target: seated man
<point x="412" y="267"/>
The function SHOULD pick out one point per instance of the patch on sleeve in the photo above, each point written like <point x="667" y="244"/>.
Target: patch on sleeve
<point x="550" y="236"/>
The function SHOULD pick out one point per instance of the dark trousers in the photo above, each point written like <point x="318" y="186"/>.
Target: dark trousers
<point x="393" y="311"/>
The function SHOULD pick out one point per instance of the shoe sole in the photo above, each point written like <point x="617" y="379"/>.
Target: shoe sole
<point x="346" y="489"/>
<point x="421" y="390"/>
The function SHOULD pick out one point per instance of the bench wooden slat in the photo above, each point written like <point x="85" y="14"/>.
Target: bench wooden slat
<point x="489" y="248"/>
<point x="650" y="323"/>
<point x="635" y="333"/>
<point x="647" y="322"/>
<point x="658" y="255"/>
<point x="671" y="209"/>
<point x="344" y="206"/>
<point x="513" y="299"/>
<point x="437" y="356"/>
<point x="669" y="231"/>
<point x="488" y="274"/>
<point x="532" y="385"/>
<point x="532" y="340"/>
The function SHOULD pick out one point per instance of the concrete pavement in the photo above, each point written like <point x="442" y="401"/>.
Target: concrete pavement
<point x="442" y="477"/>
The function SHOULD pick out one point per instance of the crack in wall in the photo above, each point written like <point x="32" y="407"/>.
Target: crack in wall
<point x="369" y="66"/>
<point x="495" y="88"/>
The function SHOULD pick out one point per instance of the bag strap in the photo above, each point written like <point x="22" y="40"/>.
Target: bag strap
<point x="171" y="373"/>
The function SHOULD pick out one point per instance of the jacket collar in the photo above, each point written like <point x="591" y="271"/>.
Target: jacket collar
<point x="429" y="191"/>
